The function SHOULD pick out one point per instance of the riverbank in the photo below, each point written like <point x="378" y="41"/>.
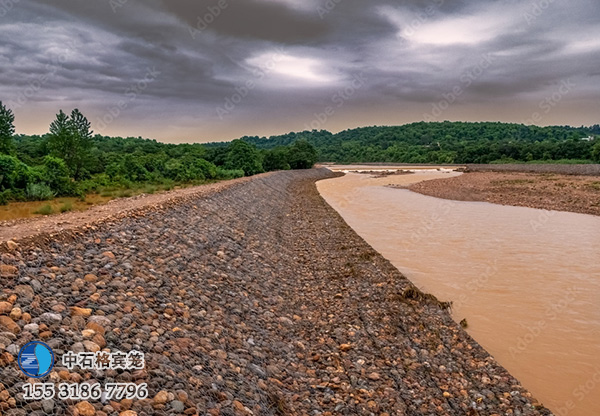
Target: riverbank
<point x="549" y="191"/>
<point x="256" y="298"/>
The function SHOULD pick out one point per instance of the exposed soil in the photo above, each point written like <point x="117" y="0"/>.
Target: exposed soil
<point x="254" y="297"/>
<point x="571" y="193"/>
<point x="561" y="169"/>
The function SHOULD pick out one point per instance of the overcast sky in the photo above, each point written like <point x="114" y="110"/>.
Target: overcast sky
<point x="195" y="70"/>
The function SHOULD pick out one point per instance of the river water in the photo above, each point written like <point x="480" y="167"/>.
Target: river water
<point x="527" y="281"/>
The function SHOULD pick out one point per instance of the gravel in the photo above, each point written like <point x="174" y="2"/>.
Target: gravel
<point x="255" y="299"/>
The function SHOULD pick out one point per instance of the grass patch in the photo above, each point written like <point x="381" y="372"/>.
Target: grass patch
<point x="594" y="185"/>
<point x="44" y="210"/>
<point x="66" y="207"/>
<point x="512" y="182"/>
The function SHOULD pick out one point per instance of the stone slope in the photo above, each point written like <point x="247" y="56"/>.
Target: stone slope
<point x="257" y="299"/>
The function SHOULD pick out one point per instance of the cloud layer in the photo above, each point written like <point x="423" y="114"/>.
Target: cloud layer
<point x="189" y="70"/>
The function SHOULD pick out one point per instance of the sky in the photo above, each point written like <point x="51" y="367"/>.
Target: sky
<point x="213" y="70"/>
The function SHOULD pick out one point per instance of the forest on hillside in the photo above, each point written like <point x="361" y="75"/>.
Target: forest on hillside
<point x="448" y="142"/>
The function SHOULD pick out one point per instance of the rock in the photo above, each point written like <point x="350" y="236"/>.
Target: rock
<point x="8" y="270"/>
<point x="109" y="254"/>
<point x="88" y="333"/>
<point x="128" y="413"/>
<point x="90" y="278"/>
<point x="48" y="406"/>
<point x="5" y="308"/>
<point x="85" y="409"/>
<point x="239" y="406"/>
<point x="96" y="328"/>
<point x="11" y="245"/>
<point x="85" y="312"/>
<point x="177" y="406"/>
<point x="161" y="397"/>
<point x="374" y="376"/>
<point x="91" y="346"/>
<point x="103" y="321"/>
<point x="33" y="328"/>
<point x="78" y="347"/>
<point x="51" y="318"/>
<point x="16" y="314"/>
<point x="6" y="358"/>
<point x="345" y="347"/>
<point x="7" y="324"/>
<point x="25" y="292"/>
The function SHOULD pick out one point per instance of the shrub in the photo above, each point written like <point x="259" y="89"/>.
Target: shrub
<point x="39" y="192"/>
<point x="244" y="156"/>
<point x="229" y="173"/>
<point x="66" y="207"/>
<point x="56" y="175"/>
<point x="13" y="173"/>
<point x="44" y="210"/>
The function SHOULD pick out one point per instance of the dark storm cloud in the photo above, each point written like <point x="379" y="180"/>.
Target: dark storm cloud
<point x="283" y="61"/>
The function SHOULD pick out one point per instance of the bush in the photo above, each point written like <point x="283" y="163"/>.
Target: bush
<point x="4" y="197"/>
<point x="244" y="156"/>
<point x="66" y="207"/>
<point x="39" y="192"/>
<point x="229" y="173"/>
<point x="14" y="174"/>
<point x="44" y="210"/>
<point x="56" y="175"/>
<point x="303" y="155"/>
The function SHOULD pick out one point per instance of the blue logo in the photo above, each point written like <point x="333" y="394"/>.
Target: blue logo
<point x="36" y="359"/>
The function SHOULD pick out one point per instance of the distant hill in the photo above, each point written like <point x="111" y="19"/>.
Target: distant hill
<point x="446" y="142"/>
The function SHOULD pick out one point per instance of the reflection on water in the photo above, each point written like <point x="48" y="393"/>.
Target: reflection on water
<point x="526" y="280"/>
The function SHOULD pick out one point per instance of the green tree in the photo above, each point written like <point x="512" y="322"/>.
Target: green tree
<point x="14" y="174"/>
<point x="71" y="140"/>
<point x="303" y="155"/>
<point x="244" y="156"/>
<point x="596" y="151"/>
<point x="7" y="130"/>
<point x="276" y="159"/>
<point x="56" y="176"/>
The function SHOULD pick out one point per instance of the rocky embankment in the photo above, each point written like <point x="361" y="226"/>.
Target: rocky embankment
<point x="253" y="299"/>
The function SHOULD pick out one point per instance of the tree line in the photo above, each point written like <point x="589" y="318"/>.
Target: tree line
<point x="448" y="142"/>
<point x="71" y="161"/>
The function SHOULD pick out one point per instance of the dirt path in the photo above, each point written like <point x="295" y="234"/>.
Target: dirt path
<point x="545" y="191"/>
<point x="257" y="299"/>
<point x="112" y="211"/>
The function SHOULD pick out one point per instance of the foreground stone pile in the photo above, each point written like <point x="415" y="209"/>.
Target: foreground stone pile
<point x="254" y="300"/>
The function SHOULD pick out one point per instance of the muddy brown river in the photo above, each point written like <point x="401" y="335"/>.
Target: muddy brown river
<point x="526" y="280"/>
